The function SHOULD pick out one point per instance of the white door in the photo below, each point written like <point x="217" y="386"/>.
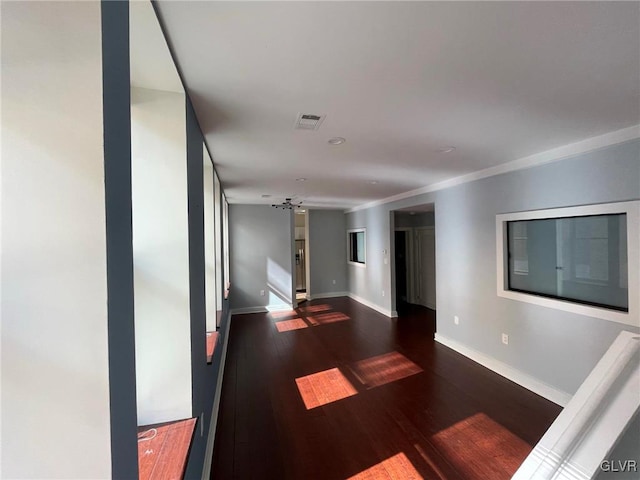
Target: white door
<point x="426" y="266"/>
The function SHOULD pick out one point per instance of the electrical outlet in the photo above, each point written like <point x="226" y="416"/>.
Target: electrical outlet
<point x="456" y="320"/>
<point x="383" y="293"/>
<point x="334" y="282"/>
<point x="505" y="339"/>
<point x="262" y="293"/>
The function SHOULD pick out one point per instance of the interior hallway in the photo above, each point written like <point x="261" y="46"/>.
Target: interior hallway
<point x="335" y="390"/>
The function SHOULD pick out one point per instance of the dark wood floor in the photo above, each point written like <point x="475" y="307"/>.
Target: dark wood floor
<point x="408" y="407"/>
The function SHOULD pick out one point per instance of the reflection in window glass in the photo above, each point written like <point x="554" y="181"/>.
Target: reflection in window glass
<point x="582" y="259"/>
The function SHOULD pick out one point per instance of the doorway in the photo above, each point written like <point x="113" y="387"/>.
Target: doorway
<point x="415" y="260"/>
<point x="402" y="238"/>
<point x="300" y="255"/>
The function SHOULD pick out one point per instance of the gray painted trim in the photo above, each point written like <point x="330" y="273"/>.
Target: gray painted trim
<point x="208" y="457"/>
<point x="195" y="208"/>
<point x="117" y="179"/>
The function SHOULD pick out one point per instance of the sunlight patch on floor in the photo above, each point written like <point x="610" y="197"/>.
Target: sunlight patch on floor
<point x="325" y="318"/>
<point x="287" y="325"/>
<point x="398" y="467"/>
<point x="315" y="308"/>
<point x="282" y="313"/>
<point x="324" y="387"/>
<point x="478" y="437"/>
<point x="382" y="369"/>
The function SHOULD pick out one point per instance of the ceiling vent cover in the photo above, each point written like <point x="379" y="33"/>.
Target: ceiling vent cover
<point x="308" y="121"/>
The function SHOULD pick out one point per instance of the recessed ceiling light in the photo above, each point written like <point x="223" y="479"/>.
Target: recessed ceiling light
<point x="374" y="182"/>
<point x="446" y="149"/>
<point x="336" y="141"/>
<point x="301" y="179"/>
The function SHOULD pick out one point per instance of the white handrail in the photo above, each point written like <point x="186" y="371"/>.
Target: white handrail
<point x="592" y="422"/>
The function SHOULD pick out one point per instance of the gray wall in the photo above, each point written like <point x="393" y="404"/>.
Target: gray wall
<point x="327" y="251"/>
<point x="558" y="348"/>
<point x="261" y="256"/>
<point x="627" y="448"/>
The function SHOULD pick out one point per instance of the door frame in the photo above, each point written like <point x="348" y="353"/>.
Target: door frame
<point x="418" y="252"/>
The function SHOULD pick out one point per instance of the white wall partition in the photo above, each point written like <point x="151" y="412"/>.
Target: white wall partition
<point x="210" y="246"/>
<point x="160" y="255"/>
<point x="55" y="379"/>
<point x="160" y="228"/>
<point x="219" y="244"/>
<point x="225" y="233"/>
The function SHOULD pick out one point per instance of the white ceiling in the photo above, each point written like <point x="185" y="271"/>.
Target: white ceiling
<point x="499" y="81"/>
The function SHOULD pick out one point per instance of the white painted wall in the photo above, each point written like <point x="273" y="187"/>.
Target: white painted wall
<point x="209" y="241"/>
<point x="225" y="234"/>
<point x="218" y="234"/>
<point x="54" y="361"/>
<point x="161" y="255"/>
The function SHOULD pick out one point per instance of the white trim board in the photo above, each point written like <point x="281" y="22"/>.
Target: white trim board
<point x="549" y="156"/>
<point x="265" y="309"/>
<point x="372" y="306"/>
<point x="213" y="425"/>
<point x="631" y="209"/>
<point x="588" y="428"/>
<point x="315" y="296"/>
<point x="517" y="376"/>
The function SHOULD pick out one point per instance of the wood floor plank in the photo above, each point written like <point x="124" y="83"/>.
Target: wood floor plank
<point x="441" y="416"/>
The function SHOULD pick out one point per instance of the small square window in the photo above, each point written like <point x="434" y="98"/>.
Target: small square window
<point x="357" y="246"/>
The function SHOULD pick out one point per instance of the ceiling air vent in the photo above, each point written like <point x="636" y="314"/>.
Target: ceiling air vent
<point x="308" y="121"/>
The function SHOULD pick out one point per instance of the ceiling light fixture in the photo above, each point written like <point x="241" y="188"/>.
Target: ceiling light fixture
<point x="301" y="179"/>
<point x="374" y="182"/>
<point x="287" y="205"/>
<point x="446" y="149"/>
<point x="336" y="141"/>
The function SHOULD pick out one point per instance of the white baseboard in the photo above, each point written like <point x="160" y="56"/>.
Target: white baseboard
<point x="241" y="311"/>
<point x="208" y="457"/>
<point x="268" y="308"/>
<point x="523" y="379"/>
<point x="279" y="307"/>
<point x="315" y="296"/>
<point x="372" y="305"/>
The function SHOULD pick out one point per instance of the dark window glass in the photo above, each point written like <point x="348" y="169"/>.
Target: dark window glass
<point x="581" y="259"/>
<point x="356" y="247"/>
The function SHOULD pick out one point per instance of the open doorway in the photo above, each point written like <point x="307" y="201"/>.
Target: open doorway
<point x="415" y="261"/>
<point x="300" y="255"/>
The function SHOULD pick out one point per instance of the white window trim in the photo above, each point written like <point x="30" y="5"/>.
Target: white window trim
<point x="357" y="264"/>
<point x="632" y="209"/>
